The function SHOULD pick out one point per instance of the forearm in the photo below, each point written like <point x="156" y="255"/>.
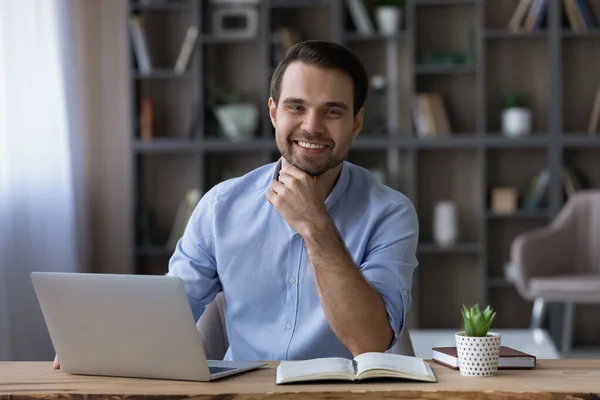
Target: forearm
<point x="355" y="311"/>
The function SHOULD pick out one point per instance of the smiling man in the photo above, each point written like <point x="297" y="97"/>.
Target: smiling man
<point x="314" y="257"/>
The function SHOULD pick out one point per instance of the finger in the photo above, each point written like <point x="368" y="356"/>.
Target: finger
<point x="56" y="364"/>
<point x="287" y="179"/>
<point x="294" y="171"/>
<point x="277" y="187"/>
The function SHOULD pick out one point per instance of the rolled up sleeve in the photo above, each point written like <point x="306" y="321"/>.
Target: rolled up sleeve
<point x="194" y="257"/>
<point x="390" y="261"/>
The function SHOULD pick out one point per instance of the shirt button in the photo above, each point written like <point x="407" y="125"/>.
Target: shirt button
<point x="288" y="326"/>
<point x="404" y="292"/>
<point x="292" y="280"/>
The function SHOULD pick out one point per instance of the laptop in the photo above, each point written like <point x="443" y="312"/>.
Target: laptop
<point x="138" y="326"/>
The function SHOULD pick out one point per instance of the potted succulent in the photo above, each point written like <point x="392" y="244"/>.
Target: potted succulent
<point x="478" y="349"/>
<point x="388" y="14"/>
<point x="237" y="117"/>
<point x="516" y="116"/>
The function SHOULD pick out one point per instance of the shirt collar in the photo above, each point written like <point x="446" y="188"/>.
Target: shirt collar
<point x="338" y="189"/>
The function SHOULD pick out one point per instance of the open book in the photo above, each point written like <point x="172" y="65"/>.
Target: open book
<point x="364" y="366"/>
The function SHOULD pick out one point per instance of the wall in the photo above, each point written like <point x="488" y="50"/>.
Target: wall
<point x="108" y="149"/>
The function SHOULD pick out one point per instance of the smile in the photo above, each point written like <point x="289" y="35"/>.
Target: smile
<point x="307" y="145"/>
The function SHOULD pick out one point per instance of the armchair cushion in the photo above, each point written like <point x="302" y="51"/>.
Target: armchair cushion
<point x="575" y="288"/>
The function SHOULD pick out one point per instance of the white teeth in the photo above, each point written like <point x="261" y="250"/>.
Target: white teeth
<point x="311" y="146"/>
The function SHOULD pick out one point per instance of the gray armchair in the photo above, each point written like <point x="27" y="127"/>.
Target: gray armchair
<point x="561" y="262"/>
<point x="212" y="329"/>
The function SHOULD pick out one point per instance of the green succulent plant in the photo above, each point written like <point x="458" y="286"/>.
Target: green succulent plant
<point x="477" y="322"/>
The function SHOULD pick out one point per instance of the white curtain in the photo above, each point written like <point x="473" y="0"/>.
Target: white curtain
<point x="42" y="224"/>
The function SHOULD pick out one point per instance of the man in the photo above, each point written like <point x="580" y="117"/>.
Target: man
<point x="314" y="257"/>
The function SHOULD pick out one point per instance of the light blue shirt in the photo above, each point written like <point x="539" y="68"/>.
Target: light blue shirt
<point x="237" y="242"/>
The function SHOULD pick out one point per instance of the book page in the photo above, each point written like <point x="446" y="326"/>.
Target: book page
<point x="412" y="366"/>
<point x="320" y="368"/>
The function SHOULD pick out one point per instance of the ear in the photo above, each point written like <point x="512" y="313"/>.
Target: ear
<point x="272" y="111"/>
<point x="358" y="123"/>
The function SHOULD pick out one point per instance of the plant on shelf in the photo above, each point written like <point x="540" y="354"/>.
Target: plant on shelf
<point x="516" y="116"/>
<point x="237" y="117"/>
<point x="388" y="14"/>
<point x="478" y="349"/>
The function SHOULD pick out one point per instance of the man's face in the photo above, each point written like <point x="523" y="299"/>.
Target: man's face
<point x="314" y="120"/>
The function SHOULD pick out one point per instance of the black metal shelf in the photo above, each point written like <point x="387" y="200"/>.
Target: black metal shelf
<point x="162" y="6"/>
<point x="504" y="34"/>
<point x="357" y="37"/>
<point x="299" y="3"/>
<point x="445" y="2"/>
<point x="432" y="69"/>
<point x="592" y="33"/>
<point x="520" y="214"/>
<point x="580" y="140"/>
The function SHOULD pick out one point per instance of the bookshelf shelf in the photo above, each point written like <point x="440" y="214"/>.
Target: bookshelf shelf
<point x="446" y="2"/>
<point x="590" y="34"/>
<point x="299" y="3"/>
<point x="212" y="39"/>
<point x="162" y="6"/>
<point x="550" y="66"/>
<point x="504" y="34"/>
<point x="430" y="69"/>
<point x="521" y="214"/>
<point x="357" y="37"/>
<point x="166" y="146"/>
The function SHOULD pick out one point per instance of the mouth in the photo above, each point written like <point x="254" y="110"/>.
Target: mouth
<point x="311" y="147"/>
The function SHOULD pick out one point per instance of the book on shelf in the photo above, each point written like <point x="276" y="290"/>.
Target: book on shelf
<point x="360" y="17"/>
<point x="509" y="358"/>
<point x="364" y="366"/>
<point x="537" y="189"/>
<point x="187" y="50"/>
<point x="529" y="16"/>
<point x="594" y="123"/>
<point x="431" y="116"/>
<point x="140" y="44"/>
<point x="580" y="15"/>
<point x="146" y="119"/>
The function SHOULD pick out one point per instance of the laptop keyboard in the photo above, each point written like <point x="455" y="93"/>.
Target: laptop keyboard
<point x="216" y="370"/>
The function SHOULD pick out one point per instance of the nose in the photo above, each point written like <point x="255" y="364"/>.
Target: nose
<point x="313" y="123"/>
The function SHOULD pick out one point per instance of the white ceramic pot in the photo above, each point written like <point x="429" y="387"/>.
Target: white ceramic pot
<point x="388" y="19"/>
<point x="445" y="224"/>
<point x="516" y="121"/>
<point x="238" y="121"/>
<point x="478" y="356"/>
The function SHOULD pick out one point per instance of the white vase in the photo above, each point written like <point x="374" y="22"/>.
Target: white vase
<point x="478" y="356"/>
<point x="516" y="121"/>
<point x="238" y="121"/>
<point x="388" y="19"/>
<point x="445" y="224"/>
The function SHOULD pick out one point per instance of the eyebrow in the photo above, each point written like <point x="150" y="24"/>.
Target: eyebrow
<point x="295" y="100"/>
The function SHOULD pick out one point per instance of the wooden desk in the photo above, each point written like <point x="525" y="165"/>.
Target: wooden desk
<point x="552" y="379"/>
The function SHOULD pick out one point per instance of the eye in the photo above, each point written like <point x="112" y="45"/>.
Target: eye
<point x="333" y="113"/>
<point x="295" y="107"/>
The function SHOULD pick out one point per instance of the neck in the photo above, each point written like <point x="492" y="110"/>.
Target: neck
<point x="326" y="181"/>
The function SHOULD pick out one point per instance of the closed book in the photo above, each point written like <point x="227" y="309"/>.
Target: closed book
<point x="509" y="358"/>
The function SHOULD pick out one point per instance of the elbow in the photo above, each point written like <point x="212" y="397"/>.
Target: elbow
<point x="369" y="341"/>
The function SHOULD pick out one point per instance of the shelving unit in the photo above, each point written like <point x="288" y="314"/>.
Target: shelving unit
<point x="554" y="67"/>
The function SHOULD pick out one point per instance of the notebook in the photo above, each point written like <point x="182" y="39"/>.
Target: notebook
<point x="509" y="358"/>
<point x="364" y="366"/>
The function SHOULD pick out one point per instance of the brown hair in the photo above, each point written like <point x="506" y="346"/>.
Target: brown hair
<point x="324" y="54"/>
